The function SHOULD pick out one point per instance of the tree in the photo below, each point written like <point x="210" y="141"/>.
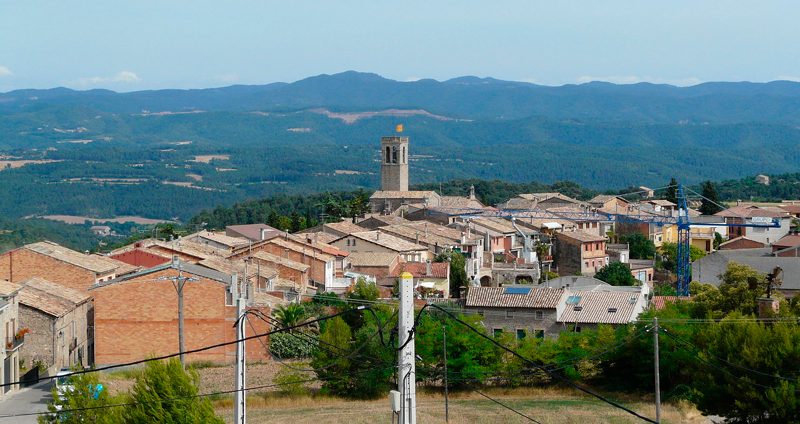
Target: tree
<point x="85" y="393"/>
<point x="364" y="290"/>
<point x="458" y="270"/>
<point x="709" y="205"/>
<point x="672" y="191"/>
<point x="167" y="380"/>
<point x="641" y="247"/>
<point x="669" y="251"/>
<point x="617" y="274"/>
<point x="290" y="315"/>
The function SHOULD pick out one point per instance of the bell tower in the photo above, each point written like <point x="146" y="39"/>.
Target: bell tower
<point x="394" y="163"/>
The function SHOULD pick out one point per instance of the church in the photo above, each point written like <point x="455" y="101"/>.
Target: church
<point x="394" y="194"/>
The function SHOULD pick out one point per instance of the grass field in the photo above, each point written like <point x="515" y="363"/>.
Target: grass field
<point x="547" y="406"/>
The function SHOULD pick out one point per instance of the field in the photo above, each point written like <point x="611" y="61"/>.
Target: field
<point x="547" y="406"/>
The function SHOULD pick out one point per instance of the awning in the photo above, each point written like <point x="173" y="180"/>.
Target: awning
<point x="551" y="225"/>
<point x="426" y="285"/>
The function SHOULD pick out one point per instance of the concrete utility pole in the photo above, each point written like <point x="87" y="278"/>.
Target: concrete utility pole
<point x="241" y="398"/>
<point x="446" y="400"/>
<point x="406" y="370"/>
<point x="658" y="379"/>
<point x="181" y="282"/>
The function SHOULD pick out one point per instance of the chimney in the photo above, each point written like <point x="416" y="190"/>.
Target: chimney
<point x="174" y="260"/>
<point x="738" y="202"/>
<point x="472" y="192"/>
<point x="263" y="231"/>
<point x="316" y="237"/>
<point x="417" y="238"/>
<point x="428" y="268"/>
<point x="287" y="253"/>
<point x="286" y="234"/>
<point x="378" y="235"/>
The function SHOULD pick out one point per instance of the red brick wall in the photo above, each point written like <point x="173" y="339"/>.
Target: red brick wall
<point x="317" y="270"/>
<point x="138" y="318"/>
<point x="21" y="264"/>
<point x="141" y="258"/>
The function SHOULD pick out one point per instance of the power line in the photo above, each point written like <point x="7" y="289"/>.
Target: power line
<point x="587" y="391"/>
<point x="202" y="349"/>
<point x="224" y="392"/>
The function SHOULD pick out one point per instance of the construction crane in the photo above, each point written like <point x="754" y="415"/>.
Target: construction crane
<point x="683" y="221"/>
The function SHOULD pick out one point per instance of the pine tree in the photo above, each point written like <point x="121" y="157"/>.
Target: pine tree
<point x="672" y="191"/>
<point x="710" y="203"/>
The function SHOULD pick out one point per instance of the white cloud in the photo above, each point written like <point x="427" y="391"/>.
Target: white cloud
<point x="780" y="78"/>
<point x="5" y="72"/>
<point x="617" y="79"/>
<point x="124" y="76"/>
<point x="413" y="79"/>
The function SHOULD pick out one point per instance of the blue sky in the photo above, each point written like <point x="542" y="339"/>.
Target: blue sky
<point x="141" y="45"/>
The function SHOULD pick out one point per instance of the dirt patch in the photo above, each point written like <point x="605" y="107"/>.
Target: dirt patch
<point x="72" y="219"/>
<point x="209" y="158"/>
<point x="352" y="117"/>
<point x="6" y="164"/>
<point x="346" y="172"/>
<point x="195" y="176"/>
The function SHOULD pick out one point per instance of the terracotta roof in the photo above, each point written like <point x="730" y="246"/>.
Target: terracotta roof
<point x="284" y="284"/>
<point x="749" y="211"/>
<point x="8" y="288"/>
<point x="319" y="244"/>
<point x="342" y="227"/>
<point x="603" y="198"/>
<point x="228" y="266"/>
<point x="219" y="238"/>
<point x="50" y="298"/>
<point x="660" y="202"/>
<point x="253" y="231"/>
<point x="787" y="241"/>
<point x="264" y="299"/>
<point x="795" y="209"/>
<point x="288" y="263"/>
<point x="388" y="241"/>
<point x="499" y="225"/>
<point x="659" y="302"/>
<point x="738" y="239"/>
<point x="495" y="297"/>
<point x="387" y="220"/>
<point x="185" y="267"/>
<point x="300" y="247"/>
<point x="387" y="194"/>
<point x="582" y="236"/>
<point x="372" y="258"/>
<point x="413" y="233"/>
<point x="460" y="202"/>
<point x="596" y="308"/>
<point x="420" y="269"/>
<point x="95" y="263"/>
<point x="319" y="237"/>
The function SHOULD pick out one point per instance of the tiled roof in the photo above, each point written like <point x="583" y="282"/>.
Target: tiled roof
<point x="8" y="288"/>
<point x="186" y="268"/>
<point x="301" y="247"/>
<point x="603" y="198"/>
<point x="795" y="209"/>
<point x="228" y="267"/>
<point x="387" y="220"/>
<point x="342" y="227"/>
<point x="320" y="243"/>
<point x="496" y="224"/>
<point x="412" y="234"/>
<point x="582" y="236"/>
<point x="388" y="241"/>
<point x="495" y="297"/>
<point x="50" y="298"/>
<point x="659" y="202"/>
<point x="283" y="284"/>
<point x="460" y="202"/>
<point x="319" y="237"/>
<point x="95" y="263"/>
<point x="596" y="306"/>
<point x="739" y="239"/>
<point x="253" y="231"/>
<point x="659" y="302"/>
<point x="288" y="263"/>
<point x="387" y="194"/>
<point x="264" y="299"/>
<point x="420" y="269"/>
<point x="220" y="239"/>
<point x="787" y="241"/>
<point x="372" y="258"/>
<point x="749" y="211"/>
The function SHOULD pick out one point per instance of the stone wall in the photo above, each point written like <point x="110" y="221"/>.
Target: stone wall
<point x="522" y="319"/>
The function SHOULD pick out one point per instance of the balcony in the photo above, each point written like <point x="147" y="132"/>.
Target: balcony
<point x="15" y="343"/>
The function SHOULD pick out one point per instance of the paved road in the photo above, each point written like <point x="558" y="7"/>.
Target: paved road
<point x="33" y="399"/>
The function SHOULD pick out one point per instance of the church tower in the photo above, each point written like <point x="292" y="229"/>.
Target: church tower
<point x="394" y="163"/>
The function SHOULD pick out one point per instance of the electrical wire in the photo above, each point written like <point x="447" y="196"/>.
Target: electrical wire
<point x="550" y="373"/>
<point x="173" y="355"/>
<point x="224" y="392"/>
<point x="697" y="349"/>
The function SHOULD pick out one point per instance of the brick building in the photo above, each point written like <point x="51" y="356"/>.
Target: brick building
<point x="60" y="322"/>
<point x="136" y="316"/>
<point x="287" y="268"/>
<point x="60" y="265"/>
<point x="579" y="251"/>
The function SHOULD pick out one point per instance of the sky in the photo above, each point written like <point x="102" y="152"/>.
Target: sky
<point x="143" y="45"/>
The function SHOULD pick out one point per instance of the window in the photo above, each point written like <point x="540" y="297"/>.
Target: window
<point x="539" y="315"/>
<point x="539" y="334"/>
<point x="228" y="298"/>
<point x="510" y="313"/>
<point x="586" y="247"/>
<point x="597" y="246"/>
<point x="388" y="155"/>
<point x="586" y="264"/>
<point x="479" y="312"/>
<point x="520" y="334"/>
<point x="498" y="332"/>
<point x="577" y="329"/>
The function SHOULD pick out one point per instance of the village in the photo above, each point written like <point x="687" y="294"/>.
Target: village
<point x="526" y="276"/>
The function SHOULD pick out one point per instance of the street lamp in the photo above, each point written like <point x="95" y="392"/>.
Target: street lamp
<point x="178" y="283"/>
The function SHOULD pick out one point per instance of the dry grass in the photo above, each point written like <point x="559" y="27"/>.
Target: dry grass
<point x="546" y="405"/>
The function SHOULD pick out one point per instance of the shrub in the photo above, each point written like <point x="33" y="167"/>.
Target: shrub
<point x="285" y="345"/>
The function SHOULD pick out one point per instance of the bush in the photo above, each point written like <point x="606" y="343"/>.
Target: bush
<point x="290" y="379"/>
<point x="285" y="345"/>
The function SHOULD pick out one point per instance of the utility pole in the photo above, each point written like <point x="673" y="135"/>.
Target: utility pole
<point x="178" y="283"/>
<point x="658" y="382"/>
<point x="241" y="398"/>
<point x="406" y="371"/>
<point x="446" y="400"/>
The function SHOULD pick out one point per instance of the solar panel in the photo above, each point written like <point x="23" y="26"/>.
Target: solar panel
<point x="517" y="290"/>
<point x="573" y="300"/>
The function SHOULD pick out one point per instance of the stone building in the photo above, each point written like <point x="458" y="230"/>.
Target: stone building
<point x="523" y="311"/>
<point x="136" y="316"/>
<point x="60" y="320"/>
<point x="14" y="335"/>
<point x="579" y="251"/>
<point x="394" y="191"/>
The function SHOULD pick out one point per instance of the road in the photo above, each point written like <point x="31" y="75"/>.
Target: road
<point x="33" y="399"/>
